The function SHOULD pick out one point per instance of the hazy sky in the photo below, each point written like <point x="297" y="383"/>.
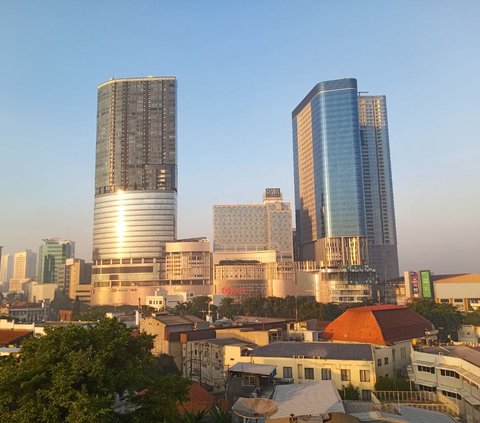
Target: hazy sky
<point x="242" y="66"/>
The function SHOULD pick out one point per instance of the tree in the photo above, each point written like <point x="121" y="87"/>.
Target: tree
<point x="392" y="384"/>
<point x="228" y="308"/>
<point x="472" y="318"/>
<point x="349" y="392"/>
<point x="445" y="317"/>
<point x="74" y="373"/>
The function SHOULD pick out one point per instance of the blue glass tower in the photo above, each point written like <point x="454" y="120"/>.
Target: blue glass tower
<point x="329" y="191"/>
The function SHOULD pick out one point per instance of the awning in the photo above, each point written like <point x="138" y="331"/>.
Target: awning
<point x="423" y="363"/>
<point x="255" y="369"/>
<point x="425" y="383"/>
<point x="470" y="398"/>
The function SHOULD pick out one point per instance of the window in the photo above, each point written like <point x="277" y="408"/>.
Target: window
<point x="386" y="360"/>
<point x="393" y="355"/>
<point x="326" y="374"/>
<point x="379" y="362"/>
<point x="364" y="375"/>
<point x="345" y="375"/>
<point x="403" y="352"/>
<point x="248" y="380"/>
<point x="309" y="373"/>
<point x="287" y="373"/>
<point x="449" y="373"/>
<point x="451" y="394"/>
<point x="426" y="369"/>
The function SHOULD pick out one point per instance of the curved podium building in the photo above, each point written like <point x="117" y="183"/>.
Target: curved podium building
<point x="135" y="187"/>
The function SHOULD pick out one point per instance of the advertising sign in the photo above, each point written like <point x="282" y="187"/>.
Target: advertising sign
<point x="414" y="284"/>
<point x="426" y="283"/>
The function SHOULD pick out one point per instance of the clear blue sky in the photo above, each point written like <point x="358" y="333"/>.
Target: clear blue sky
<point x="242" y="66"/>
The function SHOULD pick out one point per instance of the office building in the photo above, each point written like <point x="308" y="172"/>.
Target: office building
<point x="78" y="277"/>
<point x="51" y="260"/>
<point x="329" y="192"/>
<point x="135" y="204"/>
<point x="341" y="285"/>
<point x="188" y="267"/>
<point x="253" y="248"/>
<point x="343" y="180"/>
<point x="25" y="263"/>
<point x="378" y="186"/>
<point x="6" y="267"/>
<point x="255" y="227"/>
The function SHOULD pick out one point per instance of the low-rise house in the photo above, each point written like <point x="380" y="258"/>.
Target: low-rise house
<point x="27" y="312"/>
<point x="206" y="361"/>
<point x="452" y="373"/>
<point x="250" y="380"/>
<point x="166" y="329"/>
<point x="391" y="329"/>
<point x="305" y="362"/>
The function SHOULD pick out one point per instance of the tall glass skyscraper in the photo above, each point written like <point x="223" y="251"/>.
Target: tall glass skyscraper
<point x="135" y="187"/>
<point x="329" y="193"/>
<point x="377" y="180"/>
<point x="343" y="179"/>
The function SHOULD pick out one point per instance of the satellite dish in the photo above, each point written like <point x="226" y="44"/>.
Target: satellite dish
<point x="255" y="408"/>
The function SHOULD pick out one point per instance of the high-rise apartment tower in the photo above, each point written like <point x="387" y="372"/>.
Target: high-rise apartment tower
<point x="378" y="186"/>
<point x="135" y="187"/>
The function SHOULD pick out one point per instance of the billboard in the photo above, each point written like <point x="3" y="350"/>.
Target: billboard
<point x="426" y="284"/>
<point x="414" y="284"/>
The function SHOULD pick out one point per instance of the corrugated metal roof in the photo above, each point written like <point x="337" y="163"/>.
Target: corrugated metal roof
<point x="314" y="398"/>
<point x="256" y="369"/>
<point x="228" y="341"/>
<point x="323" y="350"/>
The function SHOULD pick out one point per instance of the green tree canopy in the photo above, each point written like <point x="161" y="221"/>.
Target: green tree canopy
<point x="445" y="317"/>
<point x="472" y="318"/>
<point x="74" y="374"/>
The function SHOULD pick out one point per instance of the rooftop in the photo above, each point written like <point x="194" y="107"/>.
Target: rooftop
<point x="298" y="399"/>
<point x="173" y="320"/>
<point x="228" y="341"/>
<point x="256" y="369"/>
<point x="320" y="350"/>
<point x="380" y="325"/>
<point x="10" y="336"/>
<point x="469" y="354"/>
<point x="459" y="278"/>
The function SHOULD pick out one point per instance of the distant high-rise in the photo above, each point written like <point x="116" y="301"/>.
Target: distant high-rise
<point x="51" y="260"/>
<point x="377" y="181"/>
<point x="25" y="264"/>
<point x="255" y="227"/>
<point x="6" y="267"/>
<point x="343" y="179"/>
<point x="135" y="187"/>
<point x="329" y="193"/>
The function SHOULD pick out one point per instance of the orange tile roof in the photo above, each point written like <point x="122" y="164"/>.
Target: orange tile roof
<point x="380" y="325"/>
<point x="11" y="336"/>
<point x="200" y="399"/>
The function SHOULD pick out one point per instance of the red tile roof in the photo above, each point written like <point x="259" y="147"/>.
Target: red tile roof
<point x="10" y="336"/>
<point x="380" y="325"/>
<point x="200" y="399"/>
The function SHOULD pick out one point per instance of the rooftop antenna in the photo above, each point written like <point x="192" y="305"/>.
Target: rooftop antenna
<point x="362" y="92"/>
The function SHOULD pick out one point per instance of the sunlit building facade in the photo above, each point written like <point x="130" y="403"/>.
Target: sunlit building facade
<point x="329" y="194"/>
<point x="135" y="187"/>
<point x="25" y="264"/>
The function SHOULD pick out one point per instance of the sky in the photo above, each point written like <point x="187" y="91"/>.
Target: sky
<point x="241" y="67"/>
